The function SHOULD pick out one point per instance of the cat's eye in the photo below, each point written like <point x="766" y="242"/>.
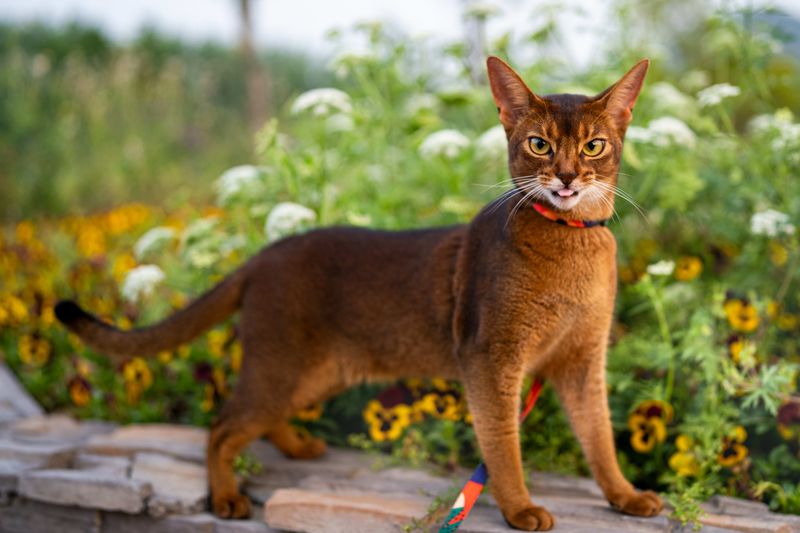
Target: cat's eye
<point x="594" y="147"/>
<point x="539" y="146"/>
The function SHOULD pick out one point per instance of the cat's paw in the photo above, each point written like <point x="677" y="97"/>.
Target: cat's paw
<point x="646" y="503"/>
<point x="531" y="519"/>
<point x="309" y="448"/>
<point x="235" y="506"/>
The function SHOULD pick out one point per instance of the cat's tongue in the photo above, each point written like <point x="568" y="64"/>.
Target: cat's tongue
<point x="565" y="192"/>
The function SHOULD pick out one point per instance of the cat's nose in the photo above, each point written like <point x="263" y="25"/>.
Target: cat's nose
<point x="566" y="177"/>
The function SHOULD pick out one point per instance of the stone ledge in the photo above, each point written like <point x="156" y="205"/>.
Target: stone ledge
<point x="85" y="488"/>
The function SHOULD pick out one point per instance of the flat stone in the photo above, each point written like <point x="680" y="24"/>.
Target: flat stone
<point x="198" y="523"/>
<point x="762" y="524"/>
<point x="362" y="512"/>
<point x="178" y="486"/>
<point x="279" y="472"/>
<point x="44" y="455"/>
<point x="557" y="484"/>
<point x="391" y="480"/>
<point x="25" y="516"/>
<point x="15" y="402"/>
<point x="116" y="466"/>
<point x="85" y="488"/>
<point x="9" y="475"/>
<point x="735" y="506"/>
<point x="55" y="429"/>
<point x="183" y="442"/>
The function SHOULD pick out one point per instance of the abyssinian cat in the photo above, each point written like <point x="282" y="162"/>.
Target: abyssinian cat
<point x="526" y="288"/>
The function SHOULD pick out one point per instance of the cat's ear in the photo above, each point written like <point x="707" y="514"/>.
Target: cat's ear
<point x="512" y="96"/>
<point x="620" y="98"/>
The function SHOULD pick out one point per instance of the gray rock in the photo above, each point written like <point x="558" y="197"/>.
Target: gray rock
<point x="85" y="488"/>
<point x="178" y="486"/>
<point x="183" y="442"/>
<point x="35" y="517"/>
<point x="44" y="455"/>
<point x="9" y="474"/>
<point x="55" y="429"/>
<point x="112" y="465"/>
<point x="15" y="402"/>
<point x="361" y="512"/>
<point x="198" y="523"/>
<point x="735" y="506"/>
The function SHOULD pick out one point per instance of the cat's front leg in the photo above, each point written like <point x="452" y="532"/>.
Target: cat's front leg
<point x="580" y="380"/>
<point x="492" y="382"/>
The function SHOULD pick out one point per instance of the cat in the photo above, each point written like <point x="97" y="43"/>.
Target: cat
<point x="526" y="288"/>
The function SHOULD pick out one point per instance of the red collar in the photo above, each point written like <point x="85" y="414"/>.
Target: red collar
<point x="552" y="215"/>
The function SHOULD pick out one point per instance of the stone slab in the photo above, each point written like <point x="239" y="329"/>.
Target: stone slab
<point x="9" y="475"/>
<point x="44" y="455"/>
<point x="117" y="466"/>
<point x="178" y="486"/>
<point x="85" y="488"/>
<point x="198" y="523"/>
<point x="55" y="429"/>
<point x="318" y="512"/>
<point x="183" y="442"/>
<point x="25" y="516"/>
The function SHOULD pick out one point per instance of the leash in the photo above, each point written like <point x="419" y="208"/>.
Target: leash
<point x="473" y="488"/>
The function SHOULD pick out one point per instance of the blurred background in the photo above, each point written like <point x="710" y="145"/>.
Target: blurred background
<point x="147" y="148"/>
<point x="108" y="102"/>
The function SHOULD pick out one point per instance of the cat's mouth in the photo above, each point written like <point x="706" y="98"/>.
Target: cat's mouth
<point x="564" y="198"/>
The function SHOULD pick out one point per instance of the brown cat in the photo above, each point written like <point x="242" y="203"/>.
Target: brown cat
<point x="508" y="295"/>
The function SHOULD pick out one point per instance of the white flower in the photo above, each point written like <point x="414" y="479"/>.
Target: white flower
<point x="788" y="137"/>
<point x="141" y="281"/>
<point x="714" y="94"/>
<point x="285" y="218"/>
<point x="418" y="103"/>
<point x="492" y="143"/>
<point x="770" y="223"/>
<point x="665" y="131"/>
<point x="447" y="143"/>
<point x="235" y="181"/>
<point x="638" y="134"/>
<point x="771" y="121"/>
<point x="662" y="268"/>
<point x="667" y="96"/>
<point x="324" y="101"/>
<point x="151" y="241"/>
<point x="339" y="122"/>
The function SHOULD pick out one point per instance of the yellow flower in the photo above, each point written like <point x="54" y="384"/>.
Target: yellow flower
<point x="442" y="406"/>
<point x="34" y="350"/>
<point x="733" y="449"/>
<point x="236" y="357"/>
<point x="122" y="265"/>
<point x="138" y="378"/>
<point x="684" y="462"/>
<point x="25" y="232"/>
<point x="91" y="241"/>
<point x="778" y="254"/>
<point x="773" y="309"/>
<point x="80" y="392"/>
<point x="216" y="340"/>
<point x="165" y="357"/>
<point x="742" y="315"/>
<point x="16" y="310"/>
<point x="655" y="409"/>
<point x="310" y="413"/>
<point x="646" y="432"/>
<point x="208" y="401"/>
<point x="386" y="423"/>
<point x="688" y="268"/>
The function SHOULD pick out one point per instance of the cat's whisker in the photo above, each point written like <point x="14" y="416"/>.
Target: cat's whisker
<point x="534" y="191"/>
<point x="615" y="190"/>
<point x="497" y="202"/>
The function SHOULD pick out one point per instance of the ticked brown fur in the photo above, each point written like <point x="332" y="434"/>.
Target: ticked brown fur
<point x="508" y="295"/>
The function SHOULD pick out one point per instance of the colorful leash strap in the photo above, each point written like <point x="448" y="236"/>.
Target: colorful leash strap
<point x="469" y="494"/>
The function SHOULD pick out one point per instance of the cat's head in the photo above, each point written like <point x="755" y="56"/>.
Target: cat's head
<point x="565" y="149"/>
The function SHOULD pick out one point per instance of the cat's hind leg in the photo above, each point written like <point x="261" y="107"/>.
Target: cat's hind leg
<point x="296" y="443"/>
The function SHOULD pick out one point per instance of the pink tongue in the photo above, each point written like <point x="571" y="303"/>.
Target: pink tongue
<point x="566" y="192"/>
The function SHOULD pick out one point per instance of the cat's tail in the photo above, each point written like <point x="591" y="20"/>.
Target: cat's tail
<point x="179" y="328"/>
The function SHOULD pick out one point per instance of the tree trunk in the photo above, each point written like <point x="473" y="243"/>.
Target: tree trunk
<point x="257" y="86"/>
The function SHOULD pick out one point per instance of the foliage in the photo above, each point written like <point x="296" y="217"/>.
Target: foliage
<point x="704" y="362"/>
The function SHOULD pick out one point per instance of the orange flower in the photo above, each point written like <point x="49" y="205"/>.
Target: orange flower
<point x="733" y="449"/>
<point x="688" y="268"/>
<point x="742" y="315"/>
<point x="79" y="391"/>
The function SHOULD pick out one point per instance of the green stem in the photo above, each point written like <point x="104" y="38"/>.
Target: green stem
<point x="666" y="336"/>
